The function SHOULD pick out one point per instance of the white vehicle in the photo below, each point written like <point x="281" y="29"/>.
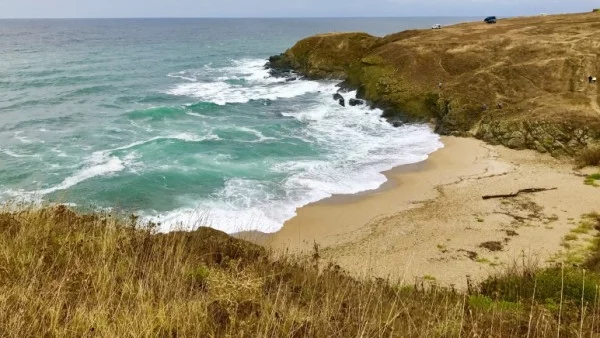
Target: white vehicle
<point x="436" y="26"/>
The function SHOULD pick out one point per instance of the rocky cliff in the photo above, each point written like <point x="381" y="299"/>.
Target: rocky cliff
<point x="522" y="82"/>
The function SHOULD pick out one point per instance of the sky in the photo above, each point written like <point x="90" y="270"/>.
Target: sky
<point x="284" y="8"/>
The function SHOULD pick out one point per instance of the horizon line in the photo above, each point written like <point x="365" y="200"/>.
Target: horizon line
<point x="247" y="17"/>
<point x="280" y="17"/>
<point x="296" y="17"/>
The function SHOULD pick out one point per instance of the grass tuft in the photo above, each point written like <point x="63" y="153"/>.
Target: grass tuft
<point x="589" y="157"/>
<point x="492" y="245"/>
<point x="570" y="237"/>
<point x="592" y="180"/>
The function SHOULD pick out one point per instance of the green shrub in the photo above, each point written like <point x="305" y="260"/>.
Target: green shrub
<point x="593" y="261"/>
<point x="199" y="277"/>
<point x="592" y="179"/>
<point x="480" y="302"/>
<point x="548" y="283"/>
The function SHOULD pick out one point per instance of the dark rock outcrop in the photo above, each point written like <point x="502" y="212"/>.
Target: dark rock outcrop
<point x="279" y="66"/>
<point x="279" y="63"/>
<point x="340" y="99"/>
<point x="345" y="87"/>
<point x="356" y="102"/>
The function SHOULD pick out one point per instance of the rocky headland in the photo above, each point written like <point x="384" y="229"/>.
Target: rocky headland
<point x="522" y="83"/>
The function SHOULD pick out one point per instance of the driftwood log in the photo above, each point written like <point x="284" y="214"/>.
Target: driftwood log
<point x="522" y="191"/>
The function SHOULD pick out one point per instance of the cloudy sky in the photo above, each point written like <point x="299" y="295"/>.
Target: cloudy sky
<point x="284" y="8"/>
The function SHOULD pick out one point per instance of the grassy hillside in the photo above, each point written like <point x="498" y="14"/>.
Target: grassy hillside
<point x="72" y="275"/>
<point x="522" y="82"/>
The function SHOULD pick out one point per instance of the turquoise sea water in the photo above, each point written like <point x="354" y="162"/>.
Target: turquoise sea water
<point x="177" y="120"/>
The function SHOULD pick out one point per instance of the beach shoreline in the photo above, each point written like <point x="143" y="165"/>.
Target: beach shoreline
<point x="429" y="219"/>
<point x="263" y="238"/>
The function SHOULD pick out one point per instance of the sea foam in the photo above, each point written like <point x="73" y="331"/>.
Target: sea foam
<point x="242" y="82"/>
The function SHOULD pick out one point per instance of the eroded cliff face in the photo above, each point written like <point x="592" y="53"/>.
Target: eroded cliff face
<point x="557" y="138"/>
<point x="522" y="83"/>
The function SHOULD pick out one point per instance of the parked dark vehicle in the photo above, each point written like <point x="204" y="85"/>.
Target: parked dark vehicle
<point x="490" y="19"/>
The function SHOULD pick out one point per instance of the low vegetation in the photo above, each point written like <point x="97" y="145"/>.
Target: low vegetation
<point x="592" y="180"/>
<point x="589" y="157"/>
<point x="492" y="246"/>
<point x="69" y="274"/>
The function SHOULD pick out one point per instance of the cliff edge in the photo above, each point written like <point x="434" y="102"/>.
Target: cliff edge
<point x="522" y="82"/>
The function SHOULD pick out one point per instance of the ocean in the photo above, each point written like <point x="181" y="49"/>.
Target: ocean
<point x="177" y="120"/>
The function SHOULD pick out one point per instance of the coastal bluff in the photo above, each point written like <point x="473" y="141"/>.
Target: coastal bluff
<point x="522" y="82"/>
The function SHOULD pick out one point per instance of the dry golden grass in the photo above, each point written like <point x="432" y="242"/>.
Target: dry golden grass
<point x="536" y="66"/>
<point x="69" y="275"/>
<point x="589" y="157"/>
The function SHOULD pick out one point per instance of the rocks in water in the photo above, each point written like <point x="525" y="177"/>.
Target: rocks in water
<point x="340" y="99"/>
<point x="344" y="87"/>
<point x="356" y="102"/>
<point x="279" y="66"/>
<point x="289" y="79"/>
<point x="279" y="73"/>
<point x="353" y="102"/>
<point x="280" y="62"/>
<point x="395" y="121"/>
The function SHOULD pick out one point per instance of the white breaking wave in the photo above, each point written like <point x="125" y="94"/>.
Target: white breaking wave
<point x="256" y="84"/>
<point x="104" y="162"/>
<point x="193" y="138"/>
<point x="252" y="70"/>
<point x="99" y="164"/>
<point x="259" y="136"/>
<point x="222" y="93"/>
<point x="183" y="75"/>
<point x="22" y="139"/>
<point x="195" y="114"/>
<point x="13" y="154"/>
<point x="181" y="136"/>
<point x="357" y="144"/>
<point x="58" y="152"/>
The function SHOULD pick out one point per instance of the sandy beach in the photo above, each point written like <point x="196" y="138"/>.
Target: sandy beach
<point x="429" y="221"/>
